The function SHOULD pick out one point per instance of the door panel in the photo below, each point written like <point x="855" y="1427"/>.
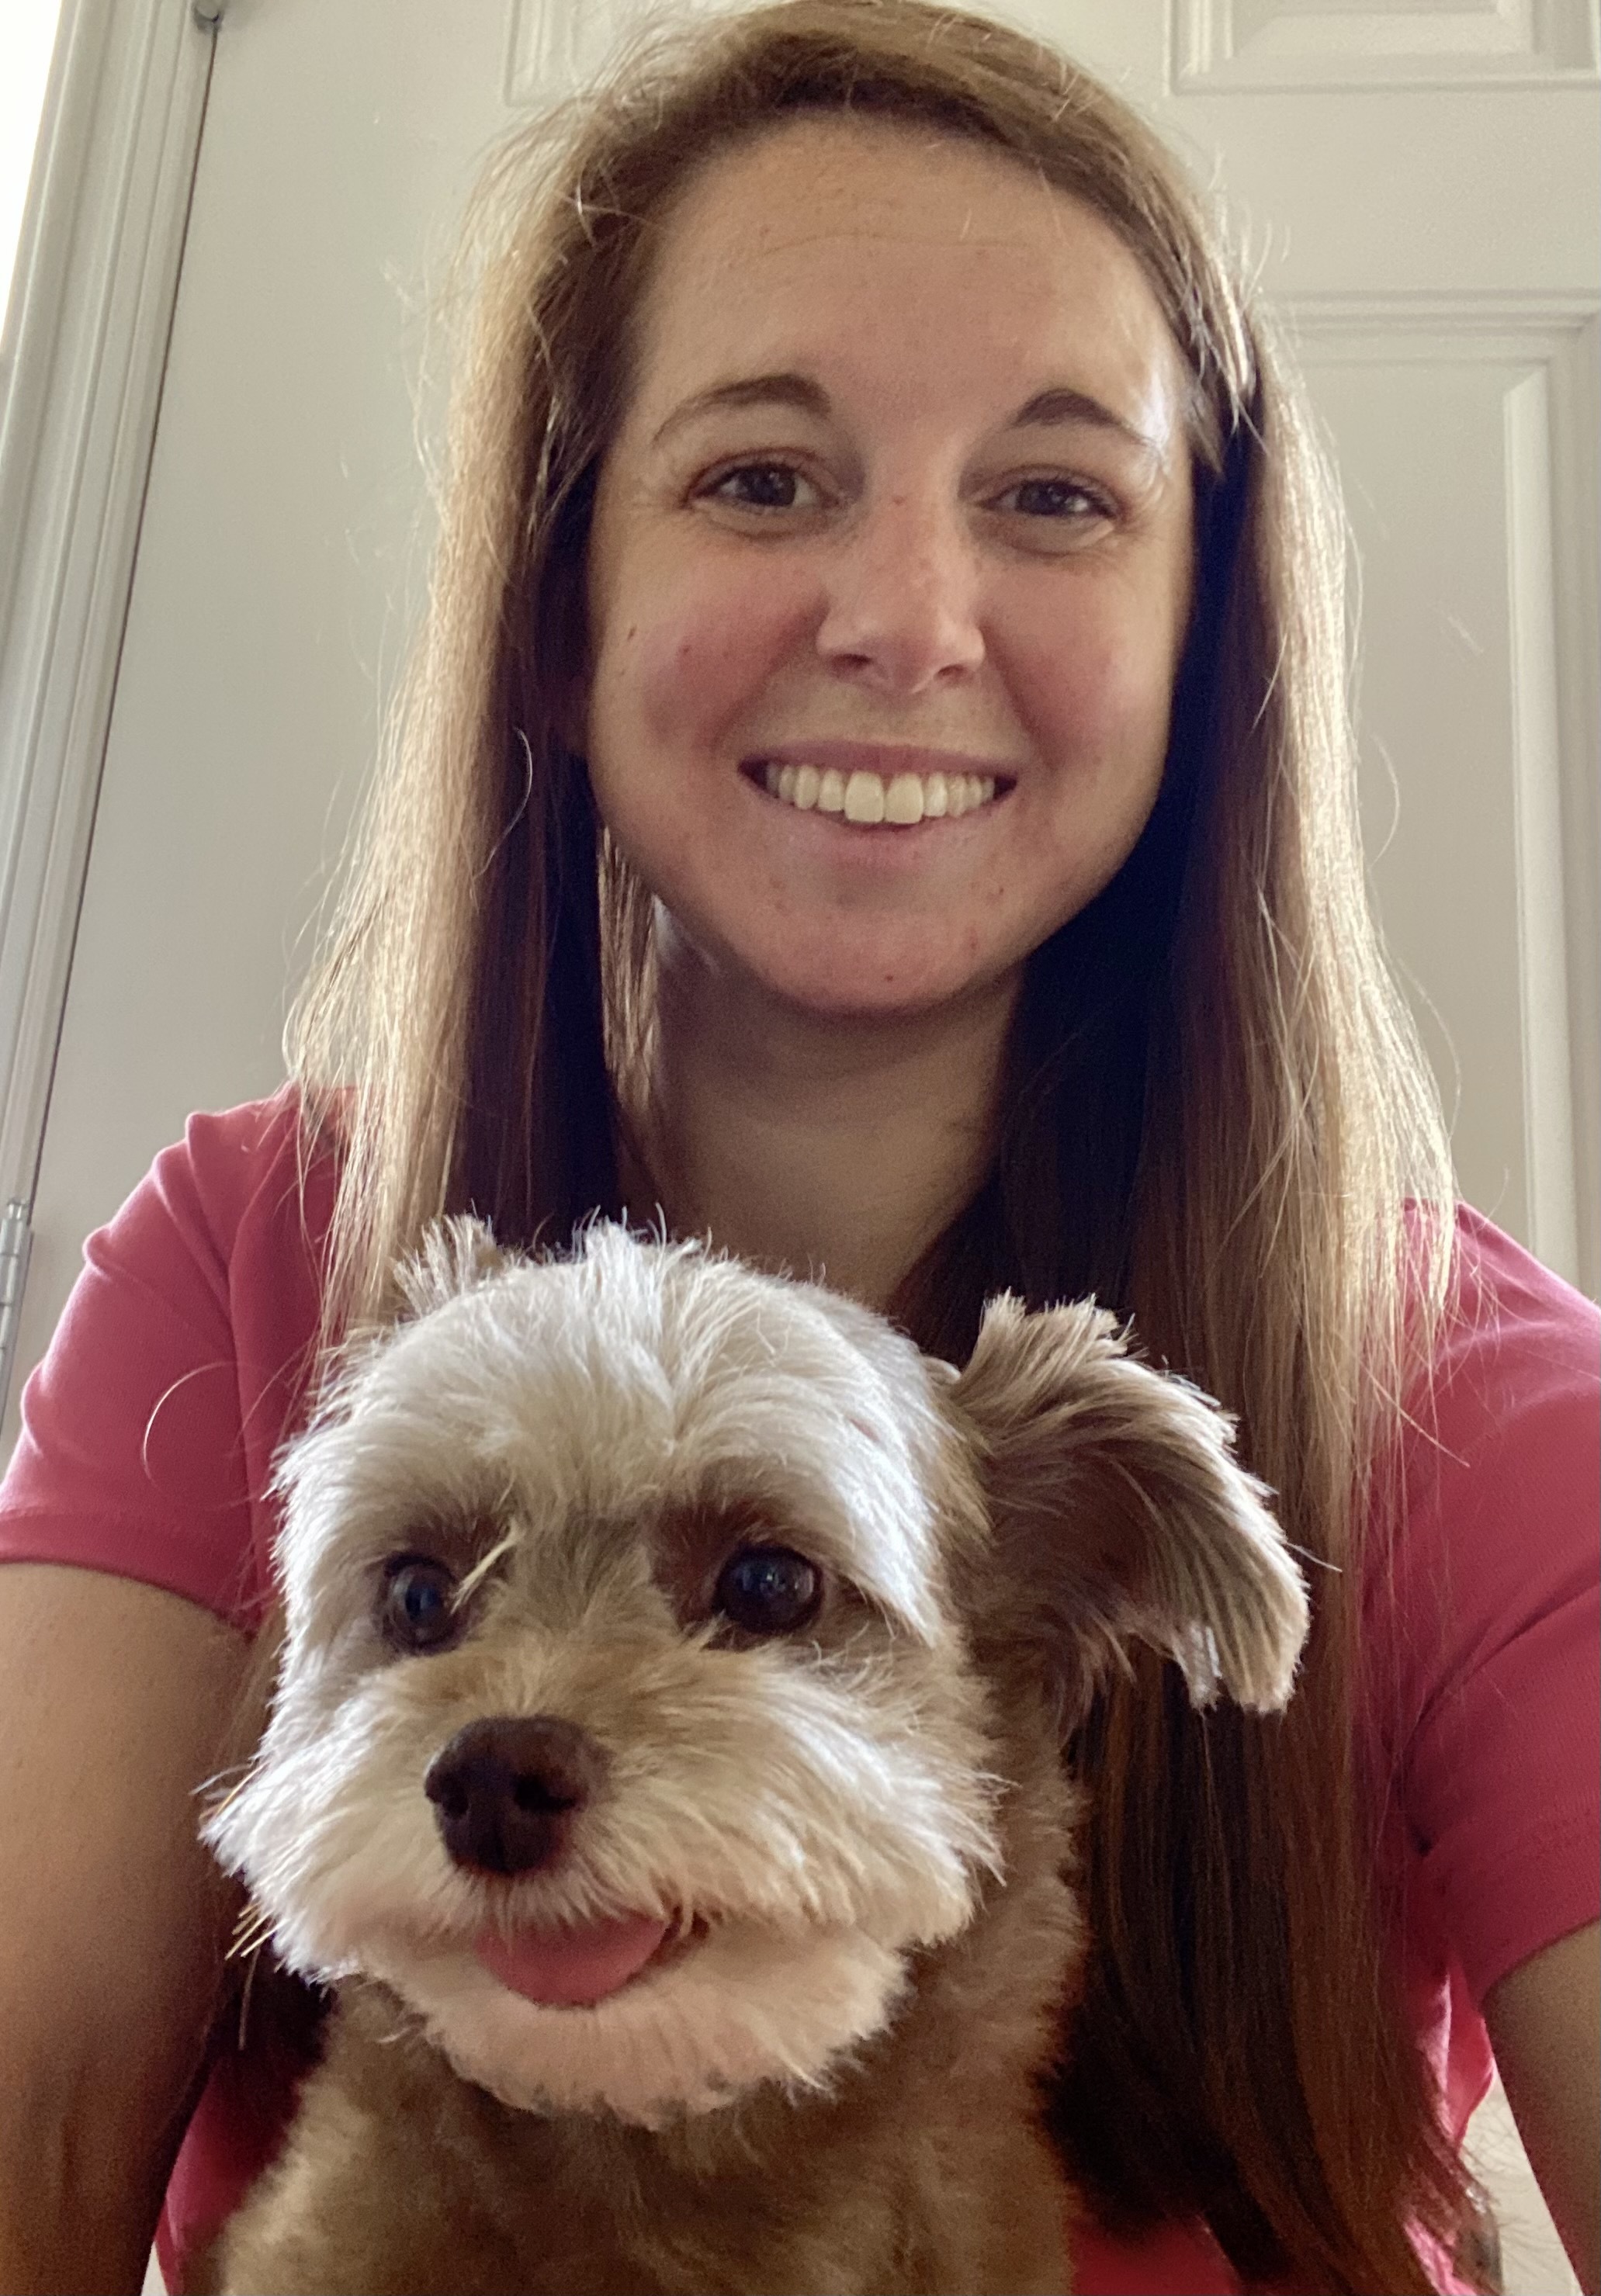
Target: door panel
<point x="1461" y="709"/>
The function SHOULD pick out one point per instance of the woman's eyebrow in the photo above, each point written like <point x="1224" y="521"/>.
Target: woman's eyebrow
<point x="1062" y="404"/>
<point x="797" y="390"/>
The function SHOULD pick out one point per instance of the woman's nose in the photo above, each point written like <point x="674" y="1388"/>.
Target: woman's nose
<point x="903" y="607"/>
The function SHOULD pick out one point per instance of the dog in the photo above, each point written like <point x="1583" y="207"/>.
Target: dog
<point x="665" y="1771"/>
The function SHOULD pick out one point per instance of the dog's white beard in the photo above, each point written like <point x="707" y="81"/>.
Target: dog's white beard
<point x="745" y="2004"/>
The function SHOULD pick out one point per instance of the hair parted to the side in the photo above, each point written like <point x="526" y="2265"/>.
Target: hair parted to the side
<point x="1215" y="1110"/>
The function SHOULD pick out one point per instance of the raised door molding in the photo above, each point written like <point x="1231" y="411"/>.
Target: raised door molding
<point x="1532" y="363"/>
<point x="1220" y="45"/>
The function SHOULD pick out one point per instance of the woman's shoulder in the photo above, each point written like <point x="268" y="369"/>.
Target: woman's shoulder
<point x="224" y="1238"/>
<point x="184" y="1352"/>
<point x="1508" y="1303"/>
<point x="1495" y="1510"/>
<point x="1506" y="1418"/>
<point x="1517" y="1358"/>
<point x="233" y="1171"/>
<point x="1482" y="1613"/>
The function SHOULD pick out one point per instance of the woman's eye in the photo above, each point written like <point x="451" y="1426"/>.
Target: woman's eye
<point x="1054" y="498"/>
<point x="764" y="486"/>
<point x="769" y="1590"/>
<point x="417" y="1610"/>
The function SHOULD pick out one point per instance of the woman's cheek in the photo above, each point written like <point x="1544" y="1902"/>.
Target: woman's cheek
<point x="690" y="683"/>
<point x="1098" y="698"/>
<point x="702" y="645"/>
<point x="663" y="720"/>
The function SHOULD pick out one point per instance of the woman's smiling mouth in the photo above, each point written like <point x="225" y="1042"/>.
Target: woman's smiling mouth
<point x="868" y="800"/>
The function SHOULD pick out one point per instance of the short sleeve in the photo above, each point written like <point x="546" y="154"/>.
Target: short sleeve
<point x="1495" y="1617"/>
<point x="148" y="1430"/>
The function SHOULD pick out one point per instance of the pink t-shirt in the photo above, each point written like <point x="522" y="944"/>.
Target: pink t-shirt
<point x="183" y="1360"/>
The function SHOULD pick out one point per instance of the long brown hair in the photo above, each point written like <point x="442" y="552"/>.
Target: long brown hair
<point x="1214" y="1110"/>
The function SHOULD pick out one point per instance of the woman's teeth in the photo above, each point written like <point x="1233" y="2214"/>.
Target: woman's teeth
<point x="868" y="798"/>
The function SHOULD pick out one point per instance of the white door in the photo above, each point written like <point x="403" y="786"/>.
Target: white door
<point x="1419" y="185"/>
<point x="1418" y="181"/>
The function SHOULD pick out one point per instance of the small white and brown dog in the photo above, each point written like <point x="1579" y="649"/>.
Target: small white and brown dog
<point x="665" y="1770"/>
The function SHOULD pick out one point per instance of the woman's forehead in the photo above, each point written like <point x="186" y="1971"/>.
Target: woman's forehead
<point x="820" y="236"/>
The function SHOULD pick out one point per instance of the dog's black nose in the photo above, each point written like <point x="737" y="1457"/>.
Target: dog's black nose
<point x="505" y="1789"/>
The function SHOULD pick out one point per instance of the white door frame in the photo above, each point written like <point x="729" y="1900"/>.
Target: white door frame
<point x="80" y="385"/>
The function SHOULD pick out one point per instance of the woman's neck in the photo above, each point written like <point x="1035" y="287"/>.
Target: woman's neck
<point x="833" y="1150"/>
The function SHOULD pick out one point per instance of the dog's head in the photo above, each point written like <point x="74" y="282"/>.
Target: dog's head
<point x="633" y="1720"/>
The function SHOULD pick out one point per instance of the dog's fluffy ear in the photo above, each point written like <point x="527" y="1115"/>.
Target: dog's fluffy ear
<point x="456" y="1255"/>
<point x="1118" y="1511"/>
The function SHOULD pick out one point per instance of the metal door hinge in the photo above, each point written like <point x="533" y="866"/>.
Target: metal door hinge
<point x="16" y="1242"/>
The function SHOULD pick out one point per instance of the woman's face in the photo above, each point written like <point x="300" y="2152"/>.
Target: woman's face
<point x="889" y="568"/>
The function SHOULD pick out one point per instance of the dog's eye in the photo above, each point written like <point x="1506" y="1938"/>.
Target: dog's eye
<point x="416" y="1612"/>
<point x="769" y="1590"/>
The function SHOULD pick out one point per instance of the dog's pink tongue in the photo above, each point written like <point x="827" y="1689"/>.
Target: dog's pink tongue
<point x="571" y="1968"/>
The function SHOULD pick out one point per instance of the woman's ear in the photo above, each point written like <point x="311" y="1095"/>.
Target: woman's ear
<point x="1118" y="1512"/>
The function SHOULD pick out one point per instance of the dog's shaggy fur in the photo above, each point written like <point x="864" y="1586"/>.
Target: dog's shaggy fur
<point x="851" y="1817"/>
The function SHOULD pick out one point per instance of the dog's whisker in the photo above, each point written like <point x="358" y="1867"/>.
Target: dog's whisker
<point x="222" y="1803"/>
<point x="482" y="1568"/>
<point x="251" y="1930"/>
<point x="237" y="1771"/>
<point x="246" y="1992"/>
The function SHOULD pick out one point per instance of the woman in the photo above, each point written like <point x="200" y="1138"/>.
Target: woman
<point x="875" y="784"/>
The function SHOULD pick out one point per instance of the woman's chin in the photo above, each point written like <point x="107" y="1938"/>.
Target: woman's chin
<point x="844" y="977"/>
